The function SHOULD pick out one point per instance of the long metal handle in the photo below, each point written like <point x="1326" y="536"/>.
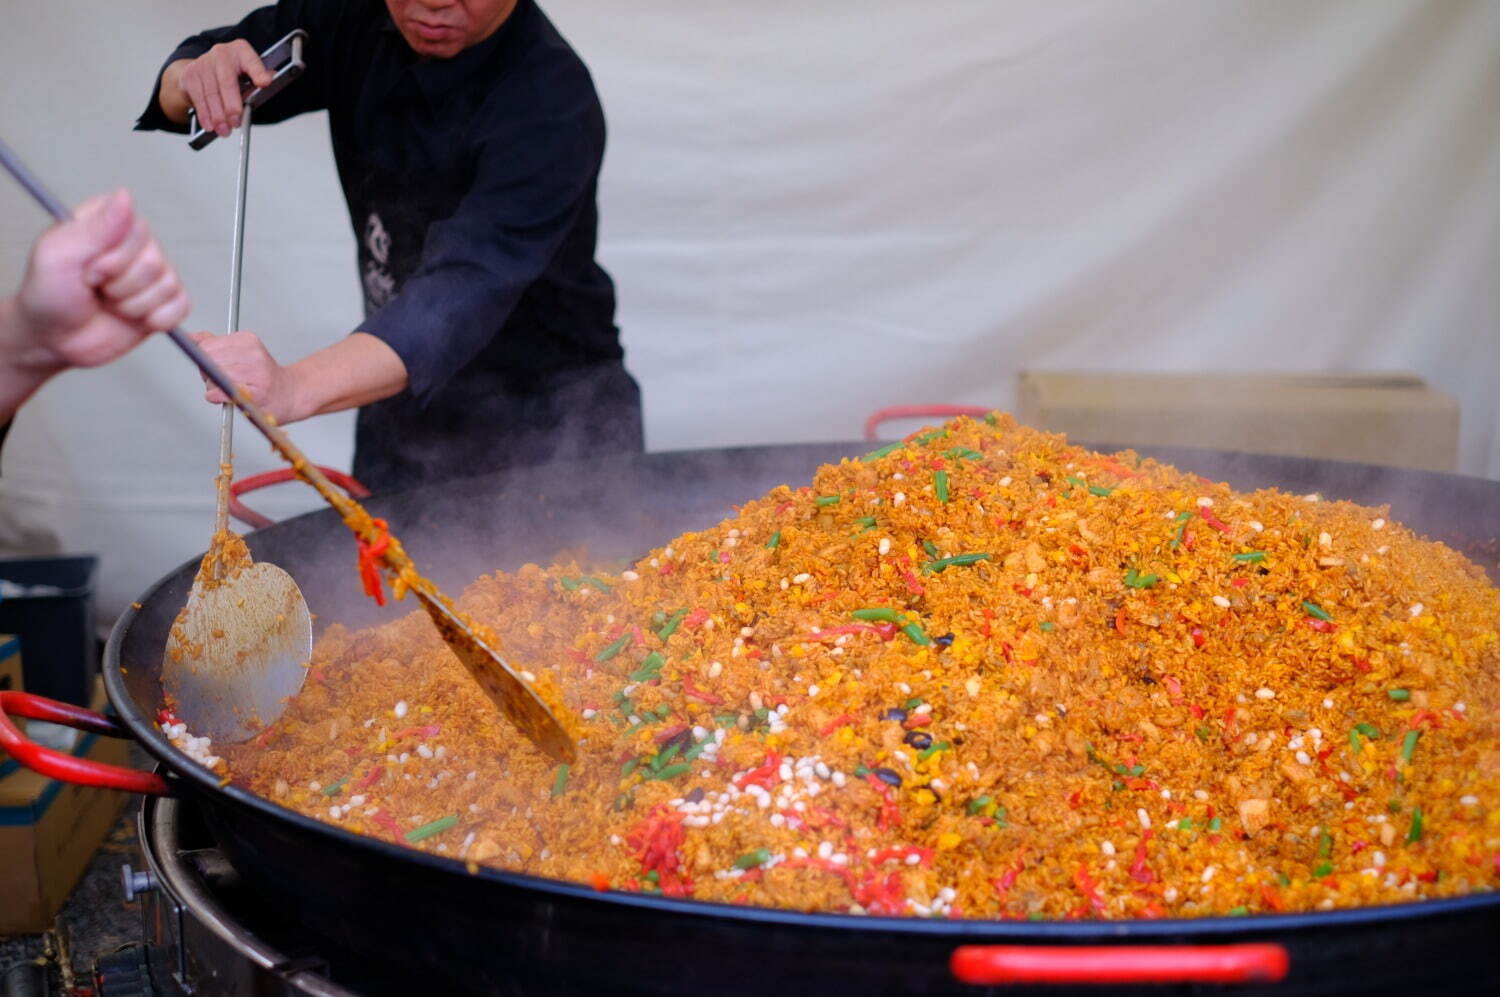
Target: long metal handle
<point x="59" y="764"/>
<point x="1008" y="965"/>
<point x="258" y="418"/>
<point x="236" y="273"/>
<point x="470" y="642"/>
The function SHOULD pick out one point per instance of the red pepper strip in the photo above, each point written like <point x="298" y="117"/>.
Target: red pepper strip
<point x="828" y="818"/>
<point x="1089" y="888"/>
<point x="1272" y="897"/>
<point x="1173" y="686"/>
<point x="388" y="822"/>
<point x="656" y="840"/>
<point x="912" y="583"/>
<point x="430" y="730"/>
<point x="1005" y="882"/>
<point x="666" y="735"/>
<point x="1321" y="626"/>
<point x="692" y="691"/>
<point x="763" y="776"/>
<point x="917" y="720"/>
<point x="369" y="560"/>
<point x="1197" y="711"/>
<point x="1139" y="871"/>
<point x="1120" y="619"/>
<point x="1362" y="664"/>
<point x="165" y="716"/>
<point x="900" y="854"/>
<point x="695" y="618"/>
<point x="1213" y="520"/>
<point x="989" y="615"/>
<point x="263" y="738"/>
<point x="599" y="881"/>
<point x="579" y="656"/>
<point x="369" y="779"/>
<point x="640" y="638"/>
<point x="1425" y="717"/>
<point x="835" y="724"/>
<point x="890" y="810"/>
<point x="1198" y="639"/>
<point x="879" y="896"/>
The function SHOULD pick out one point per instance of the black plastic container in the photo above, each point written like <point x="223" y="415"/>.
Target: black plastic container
<point x="59" y="651"/>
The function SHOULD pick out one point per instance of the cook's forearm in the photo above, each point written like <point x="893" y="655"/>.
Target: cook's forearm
<point x="171" y="96"/>
<point x="355" y="371"/>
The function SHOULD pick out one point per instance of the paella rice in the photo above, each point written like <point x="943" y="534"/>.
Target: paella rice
<point x="978" y="673"/>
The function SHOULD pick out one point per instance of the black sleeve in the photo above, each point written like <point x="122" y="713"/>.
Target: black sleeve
<point x="263" y="28"/>
<point x="532" y="180"/>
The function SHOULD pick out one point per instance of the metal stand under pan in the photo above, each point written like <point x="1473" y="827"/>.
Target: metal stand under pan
<point x="202" y="932"/>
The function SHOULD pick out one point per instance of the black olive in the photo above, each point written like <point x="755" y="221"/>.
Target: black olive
<point x="682" y="739"/>
<point x="944" y="640"/>
<point x="918" y="739"/>
<point x="888" y="777"/>
<point x="1147" y="678"/>
<point x="895" y="713"/>
<point x="695" y="795"/>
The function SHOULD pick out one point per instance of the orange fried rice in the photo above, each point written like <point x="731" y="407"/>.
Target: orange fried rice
<point x="980" y="673"/>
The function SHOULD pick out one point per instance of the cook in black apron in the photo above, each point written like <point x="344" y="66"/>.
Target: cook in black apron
<point x="471" y="187"/>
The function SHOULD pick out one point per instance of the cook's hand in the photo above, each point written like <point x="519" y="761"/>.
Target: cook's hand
<point x="250" y="365"/>
<point x="210" y="84"/>
<point x="94" y="286"/>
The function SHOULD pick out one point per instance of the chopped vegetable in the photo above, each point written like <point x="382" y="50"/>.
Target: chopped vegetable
<point x="1414" y="832"/>
<point x="956" y="561"/>
<point x="917" y="634"/>
<point x="752" y="859"/>
<point x="428" y="830"/>
<point x="1314" y="610"/>
<point x="615" y="648"/>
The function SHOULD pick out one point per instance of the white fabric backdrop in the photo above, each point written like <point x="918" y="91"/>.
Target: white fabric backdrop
<point x="813" y="210"/>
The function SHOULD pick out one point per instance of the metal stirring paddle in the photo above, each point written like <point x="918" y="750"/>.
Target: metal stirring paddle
<point x="240" y="648"/>
<point x="469" y="640"/>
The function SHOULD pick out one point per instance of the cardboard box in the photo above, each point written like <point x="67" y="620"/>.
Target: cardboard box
<point x="1391" y="419"/>
<point x="48" y="833"/>
<point x="11" y="681"/>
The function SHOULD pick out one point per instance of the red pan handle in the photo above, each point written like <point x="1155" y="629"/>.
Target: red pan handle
<point x="62" y="766"/>
<point x="255" y="520"/>
<point x="920" y="412"/>
<point x="993" y="965"/>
